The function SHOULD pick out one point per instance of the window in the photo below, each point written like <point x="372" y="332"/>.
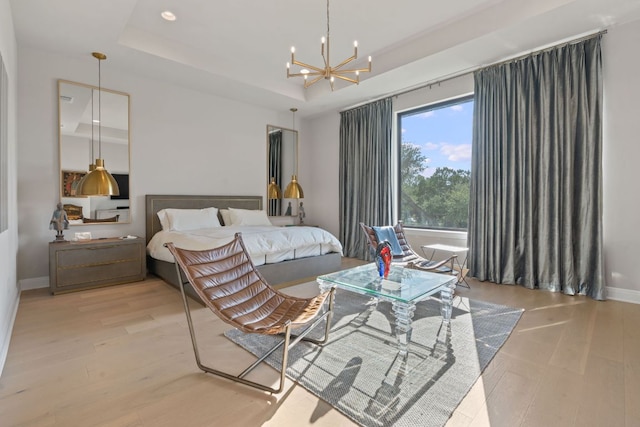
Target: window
<point x="435" y="164"/>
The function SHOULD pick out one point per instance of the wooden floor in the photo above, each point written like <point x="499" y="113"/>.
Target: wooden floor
<point x="121" y="356"/>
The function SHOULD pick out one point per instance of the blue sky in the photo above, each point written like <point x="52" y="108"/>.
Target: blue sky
<point x="443" y="135"/>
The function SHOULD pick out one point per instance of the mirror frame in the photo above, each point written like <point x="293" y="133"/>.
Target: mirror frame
<point x="75" y="174"/>
<point x="286" y="175"/>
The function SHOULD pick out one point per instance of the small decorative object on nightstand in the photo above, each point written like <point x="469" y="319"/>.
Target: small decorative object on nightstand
<point x="59" y="222"/>
<point x="87" y="264"/>
<point x="301" y="213"/>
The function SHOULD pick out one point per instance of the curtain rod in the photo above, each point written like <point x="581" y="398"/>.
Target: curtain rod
<point x="460" y="73"/>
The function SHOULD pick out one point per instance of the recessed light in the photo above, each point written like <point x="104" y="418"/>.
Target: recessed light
<point x="167" y="15"/>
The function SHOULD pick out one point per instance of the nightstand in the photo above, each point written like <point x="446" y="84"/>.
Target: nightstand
<point x="87" y="264"/>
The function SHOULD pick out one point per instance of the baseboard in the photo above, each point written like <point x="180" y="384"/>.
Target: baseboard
<point x="34" y="283"/>
<point x="625" y="295"/>
<point x="4" y="350"/>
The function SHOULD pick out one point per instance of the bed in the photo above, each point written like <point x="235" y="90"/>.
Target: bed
<point x="283" y="267"/>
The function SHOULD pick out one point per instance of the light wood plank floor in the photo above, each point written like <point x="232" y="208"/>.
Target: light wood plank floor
<point x="121" y="356"/>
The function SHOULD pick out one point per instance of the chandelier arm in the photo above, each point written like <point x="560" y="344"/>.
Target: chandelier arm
<point x="337" y="72"/>
<point x="305" y="74"/>
<point x="308" y="82"/>
<point x="348" y="79"/>
<point x="325" y="59"/>
<point x="343" y="63"/>
<point x="302" y="64"/>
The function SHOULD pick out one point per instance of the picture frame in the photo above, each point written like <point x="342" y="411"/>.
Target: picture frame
<point x="70" y="181"/>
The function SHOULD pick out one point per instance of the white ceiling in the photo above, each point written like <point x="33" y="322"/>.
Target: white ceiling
<point x="238" y="49"/>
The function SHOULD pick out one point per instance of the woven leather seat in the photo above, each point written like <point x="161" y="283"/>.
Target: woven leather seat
<point x="228" y="283"/>
<point x="409" y="257"/>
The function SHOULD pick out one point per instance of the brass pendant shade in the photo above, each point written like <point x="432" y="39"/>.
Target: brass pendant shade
<point x="293" y="190"/>
<point x="98" y="182"/>
<point x="273" y="191"/>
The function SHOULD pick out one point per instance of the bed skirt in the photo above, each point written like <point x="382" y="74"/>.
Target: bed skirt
<point x="274" y="274"/>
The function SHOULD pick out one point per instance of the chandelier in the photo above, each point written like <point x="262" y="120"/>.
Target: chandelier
<point x="313" y="74"/>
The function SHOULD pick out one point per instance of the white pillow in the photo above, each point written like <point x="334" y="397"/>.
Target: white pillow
<point x="191" y="219"/>
<point x="248" y="217"/>
<point x="226" y="216"/>
<point x="164" y="220"/>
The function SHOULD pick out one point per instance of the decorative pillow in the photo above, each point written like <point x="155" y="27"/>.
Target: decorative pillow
<point x="226" y="216"/>
<point x="248" y="217"/>
<point x="190" y="219"/>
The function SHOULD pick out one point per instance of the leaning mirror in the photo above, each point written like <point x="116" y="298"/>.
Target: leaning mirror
<point x="82" y="139"/>
<point x="281" y="165"/>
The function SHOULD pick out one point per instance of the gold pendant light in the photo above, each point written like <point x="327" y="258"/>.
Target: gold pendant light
<point x="273" y="191"/>
<point x="293" y="190"/>
<point x="98" y="182"/>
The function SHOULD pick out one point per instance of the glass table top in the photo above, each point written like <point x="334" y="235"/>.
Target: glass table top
<point x="402" y="284"/>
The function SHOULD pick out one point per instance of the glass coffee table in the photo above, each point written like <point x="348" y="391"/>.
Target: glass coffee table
<point x="403" y="287"/>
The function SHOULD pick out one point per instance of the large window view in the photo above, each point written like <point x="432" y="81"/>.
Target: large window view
<point x="435" y="165"/>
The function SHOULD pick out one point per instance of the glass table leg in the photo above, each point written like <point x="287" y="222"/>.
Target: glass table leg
<point x="404" y="316"/>
<point x="446" y="302"/>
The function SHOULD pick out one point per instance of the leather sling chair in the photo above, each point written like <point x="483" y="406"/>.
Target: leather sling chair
<point x="409" y="258"/>
<point x="229" y="284"/>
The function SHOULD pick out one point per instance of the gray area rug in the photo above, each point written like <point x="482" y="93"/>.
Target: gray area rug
<point x="360" y="373"/>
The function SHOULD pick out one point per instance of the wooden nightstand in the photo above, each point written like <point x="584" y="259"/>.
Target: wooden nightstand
<point x="94" y="263"/>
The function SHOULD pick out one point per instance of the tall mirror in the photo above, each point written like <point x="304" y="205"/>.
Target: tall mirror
<point x="82" y="139"/>
<point x="281" y="165"/>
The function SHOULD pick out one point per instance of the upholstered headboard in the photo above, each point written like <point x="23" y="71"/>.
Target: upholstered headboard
<point x="155" y="203"/>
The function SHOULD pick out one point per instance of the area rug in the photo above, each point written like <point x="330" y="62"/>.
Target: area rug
<point x="360" y="373"/>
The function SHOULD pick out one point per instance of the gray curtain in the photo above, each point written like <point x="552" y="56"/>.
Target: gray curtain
<point x="365" y="173"/>
<point x="275" y="169"/>
<point x="536" y="178"/>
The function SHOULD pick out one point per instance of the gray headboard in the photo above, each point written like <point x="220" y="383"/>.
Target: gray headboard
<point x="155" y="203"/>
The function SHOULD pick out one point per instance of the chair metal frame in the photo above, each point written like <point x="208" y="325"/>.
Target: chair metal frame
<point x="288" y="341"/>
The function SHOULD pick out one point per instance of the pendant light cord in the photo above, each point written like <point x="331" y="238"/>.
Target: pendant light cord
<point x="293" y="110"/>
<point x="91" y="159"/>
<point x="99" y="110"/>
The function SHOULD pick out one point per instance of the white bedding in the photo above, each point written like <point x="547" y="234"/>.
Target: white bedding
<point x="265" y="244"/>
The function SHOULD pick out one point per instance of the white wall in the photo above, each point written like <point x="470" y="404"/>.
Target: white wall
<point x="621" y="155"/>
<point x="9" y="295"/>
<point x="319" y="153"/>
<point x="182" y="141"/>
<point x="621" y="151"/>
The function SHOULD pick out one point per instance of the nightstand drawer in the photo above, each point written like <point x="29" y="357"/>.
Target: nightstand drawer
<point x="91" y="255"/>
<point x="118" y="271"/>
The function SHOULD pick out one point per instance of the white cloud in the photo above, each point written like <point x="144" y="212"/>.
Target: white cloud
<point x="456" y="107"/>
<point x="427" y="114"/>
<point x="429" y="146"/>
<point x="456" y="153"/>
<point x="403" y="130"/>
